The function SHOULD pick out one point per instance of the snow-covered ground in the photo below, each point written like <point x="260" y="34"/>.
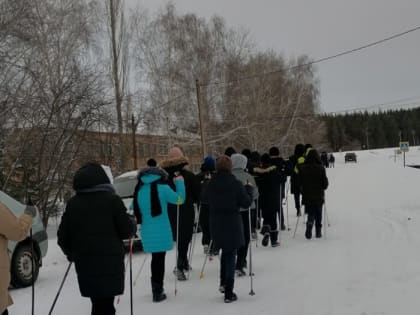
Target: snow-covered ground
<point x="368" y="263"/>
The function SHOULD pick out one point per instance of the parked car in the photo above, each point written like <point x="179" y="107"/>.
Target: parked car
<point x="124" y="185"/>
<point x="20" y="252"/>
<point x="350" y="157"/>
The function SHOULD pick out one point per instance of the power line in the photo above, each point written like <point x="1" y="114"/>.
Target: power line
<point x="347" y="52"/>
<point x="413" y="101"/>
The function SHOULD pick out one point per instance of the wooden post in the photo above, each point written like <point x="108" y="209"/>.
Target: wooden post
<point x="133" y="129"/>
<point x="200" y="116"/>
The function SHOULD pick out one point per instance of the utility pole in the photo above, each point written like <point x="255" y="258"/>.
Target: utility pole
<point x="200" y="116"/>
<point x="133" y="130"/>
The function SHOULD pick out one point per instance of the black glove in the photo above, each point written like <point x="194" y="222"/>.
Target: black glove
<point x="133" y="223"/>
<point x="30" y="210"/>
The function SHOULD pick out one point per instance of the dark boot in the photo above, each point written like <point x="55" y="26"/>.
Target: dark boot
<point x="230" y="296"/>
<point x="266" y="232"/>
<point x="158" y="293"/>
<point x="308" y="233"/>
<point x="318" y="231"/>
<point x="274" y="239"/>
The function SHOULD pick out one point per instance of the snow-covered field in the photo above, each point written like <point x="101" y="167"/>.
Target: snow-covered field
<point x="368" y="264"/>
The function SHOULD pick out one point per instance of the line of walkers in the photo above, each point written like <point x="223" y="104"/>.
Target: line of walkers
<point x="229" y="192"/>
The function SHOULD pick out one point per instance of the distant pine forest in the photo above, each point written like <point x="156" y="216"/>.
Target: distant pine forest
<point x="372" y="130"/>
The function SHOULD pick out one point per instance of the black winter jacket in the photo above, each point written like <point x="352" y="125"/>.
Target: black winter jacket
<point x="269" y="182"/>
<point x="225" y="195"/>
<point x="192" y="194"/>
<point x="313" y="181"/>
<point x="90" y="234"/>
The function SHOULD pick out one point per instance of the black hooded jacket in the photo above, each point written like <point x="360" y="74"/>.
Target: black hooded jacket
<point x="175" y="167"/>
<point x="91" y="232"/>
<point x="313" y="180"/>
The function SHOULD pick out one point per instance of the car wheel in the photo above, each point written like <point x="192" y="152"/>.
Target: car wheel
<point x="21" y="268"/>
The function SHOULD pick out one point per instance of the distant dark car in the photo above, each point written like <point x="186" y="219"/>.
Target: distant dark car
<point x="350" y="157"/>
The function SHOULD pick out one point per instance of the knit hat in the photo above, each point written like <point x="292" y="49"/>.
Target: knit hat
<point x="223" y="163"/>
<point x="209" y="164"/>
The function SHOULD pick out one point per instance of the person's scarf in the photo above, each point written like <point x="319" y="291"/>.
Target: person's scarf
<point x="156" y="207"/>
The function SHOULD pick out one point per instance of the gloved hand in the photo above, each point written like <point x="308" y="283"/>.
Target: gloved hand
<point x="30" y="210"/>
<point x="250" y="190"/>
<point x="133" y="222"/>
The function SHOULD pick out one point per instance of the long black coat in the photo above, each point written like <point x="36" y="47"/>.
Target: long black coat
<point x="192" y="194"/>
<point x="90" y="234"/>
<point x="269" y="182"/>
<point x="313" y="181"/>
<point x="225" y="196"/>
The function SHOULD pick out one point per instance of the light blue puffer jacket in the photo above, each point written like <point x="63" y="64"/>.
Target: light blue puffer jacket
<point x="156" y="233"/>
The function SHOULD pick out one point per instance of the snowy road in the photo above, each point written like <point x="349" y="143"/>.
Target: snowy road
<point x="367" y="265"/>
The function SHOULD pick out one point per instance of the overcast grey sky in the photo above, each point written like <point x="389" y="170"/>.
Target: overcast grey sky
<point x="320" y="28"/>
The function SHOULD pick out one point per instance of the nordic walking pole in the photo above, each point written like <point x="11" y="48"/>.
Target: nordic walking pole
<point x="131" y="275"/>
<point x="60" y="288"/>
<point x="251" y="272"/>
<point x="190" y="256"/>
<point x="205" y="261"/>
<point x="32" y="272"/>
<point x="287" y="205"/>
<point x="256" y="222"/>
<point x="297" y="223"/>
<point x="326" y="214"/>
<point x="177" y="252"/>
<point x="280" y="212"/>
<point x="140" y="270"/>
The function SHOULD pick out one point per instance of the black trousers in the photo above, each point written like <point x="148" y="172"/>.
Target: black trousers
<point x="5" y="312"/>
<point x="314" y="215"/>
<point x="186" y="228"/>
<point x="243" y="251"/>
<point x="158" y="268"/>
<point x="103" y="306"/>
<point x="227" y="267"/>
<point x="297" y="200"/>
<point x="270" y="218"/>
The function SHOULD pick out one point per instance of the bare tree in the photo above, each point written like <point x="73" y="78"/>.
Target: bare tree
<point x="119" y="54"/>
<point x="54" y="95"/>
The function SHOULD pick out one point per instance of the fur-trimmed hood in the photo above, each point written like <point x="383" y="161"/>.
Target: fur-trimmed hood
<point x="175" y="162"/>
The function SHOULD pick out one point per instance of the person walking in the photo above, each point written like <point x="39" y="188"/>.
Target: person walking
<point x="269" y="182"/>
<point x="331" y="160"/>
<point x="91" y="234"/>
<point x="175" y="165"/>
<point x="207" y="170"/>
<point x="225" y="196"/>
<point x="313" y="181"/>
<point x="239" y="164"/>
<point x="296" y="159"/>
<point x="151" y="198"/>
<point x="283" y="170"/>
<point x="14" y="229"/>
